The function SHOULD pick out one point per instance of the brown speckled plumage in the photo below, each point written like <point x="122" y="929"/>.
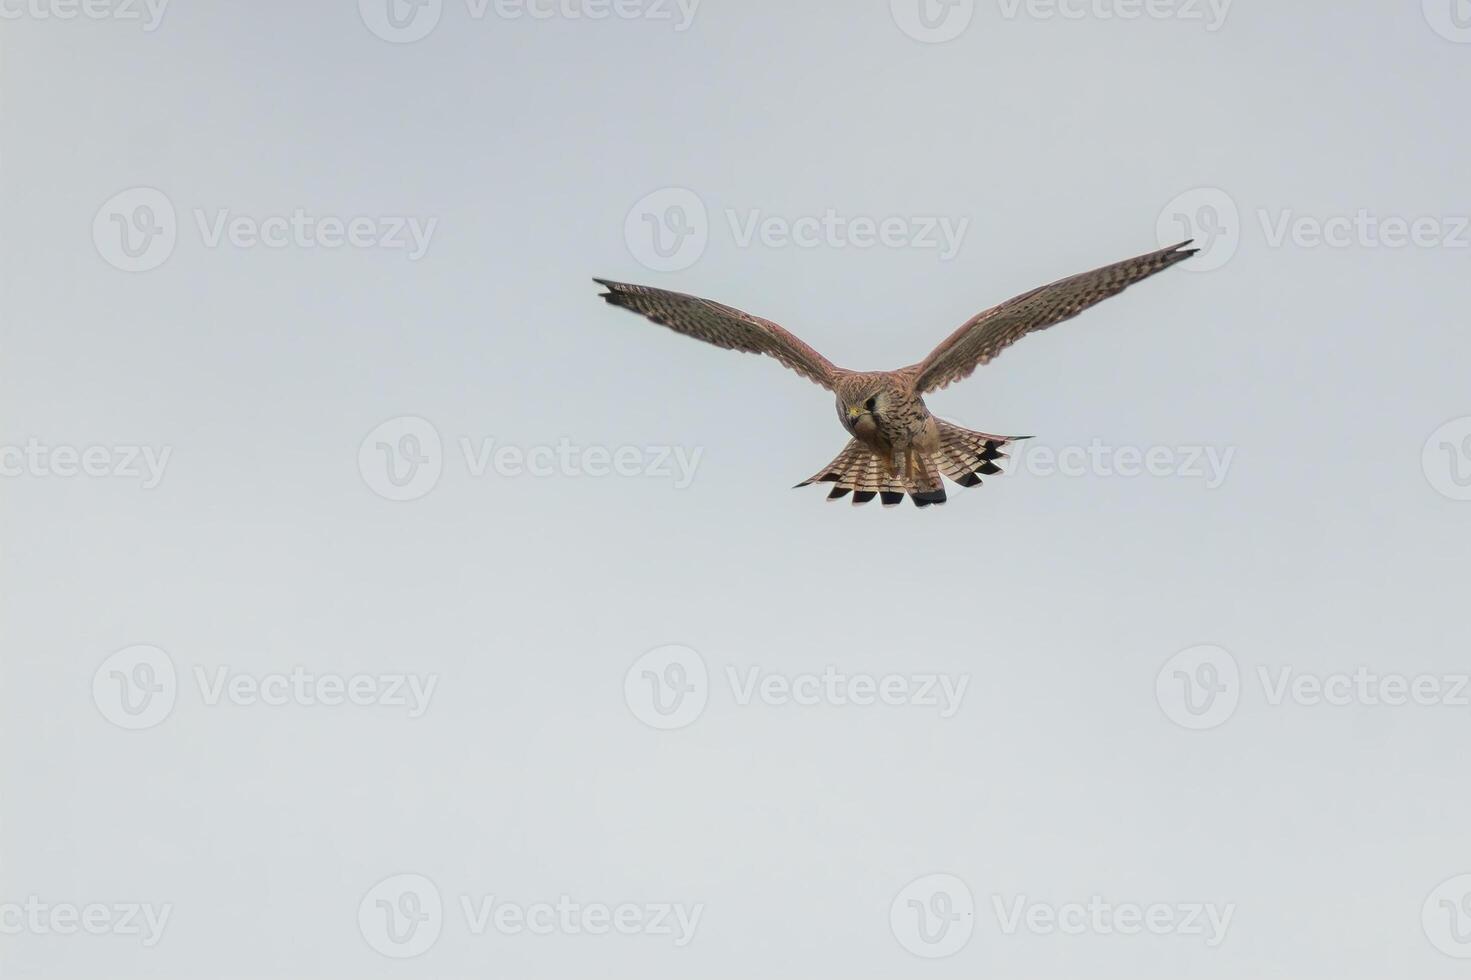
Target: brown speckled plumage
<point x="898" y="447"/>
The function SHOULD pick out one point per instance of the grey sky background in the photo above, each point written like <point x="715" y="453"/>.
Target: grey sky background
<point x="1079" y="764"/>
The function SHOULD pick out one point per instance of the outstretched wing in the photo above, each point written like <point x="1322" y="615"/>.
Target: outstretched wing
<point x="986" y="334"/>
<point x="722" y="326"/>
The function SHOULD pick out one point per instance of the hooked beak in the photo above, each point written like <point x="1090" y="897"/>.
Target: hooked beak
<point x="854" y="411"/>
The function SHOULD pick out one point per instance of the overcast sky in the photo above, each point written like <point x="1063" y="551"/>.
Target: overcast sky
<point x="380" y="603"/>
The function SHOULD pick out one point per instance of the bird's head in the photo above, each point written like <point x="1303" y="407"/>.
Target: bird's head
<point x="860" y="411"/>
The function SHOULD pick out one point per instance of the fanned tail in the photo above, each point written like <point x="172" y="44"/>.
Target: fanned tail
<point x="860" y="471"/>
<point x="965" y="456"/>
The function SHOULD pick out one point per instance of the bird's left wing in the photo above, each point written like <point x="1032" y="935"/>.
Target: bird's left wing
<point x="986" y="334"/>
<point x="723" y="326"/>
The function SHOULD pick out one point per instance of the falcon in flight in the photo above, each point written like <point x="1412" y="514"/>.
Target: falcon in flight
<point x="897" y="446"/>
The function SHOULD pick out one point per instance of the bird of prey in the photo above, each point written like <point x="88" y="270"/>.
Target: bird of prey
<point x="897" y="446"/>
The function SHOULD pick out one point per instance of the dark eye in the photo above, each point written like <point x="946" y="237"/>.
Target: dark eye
<point x="868" y="406"/>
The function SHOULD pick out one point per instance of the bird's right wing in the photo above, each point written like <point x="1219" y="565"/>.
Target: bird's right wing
<point x="986" y="334"/>
<point x="723" y="326"/>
